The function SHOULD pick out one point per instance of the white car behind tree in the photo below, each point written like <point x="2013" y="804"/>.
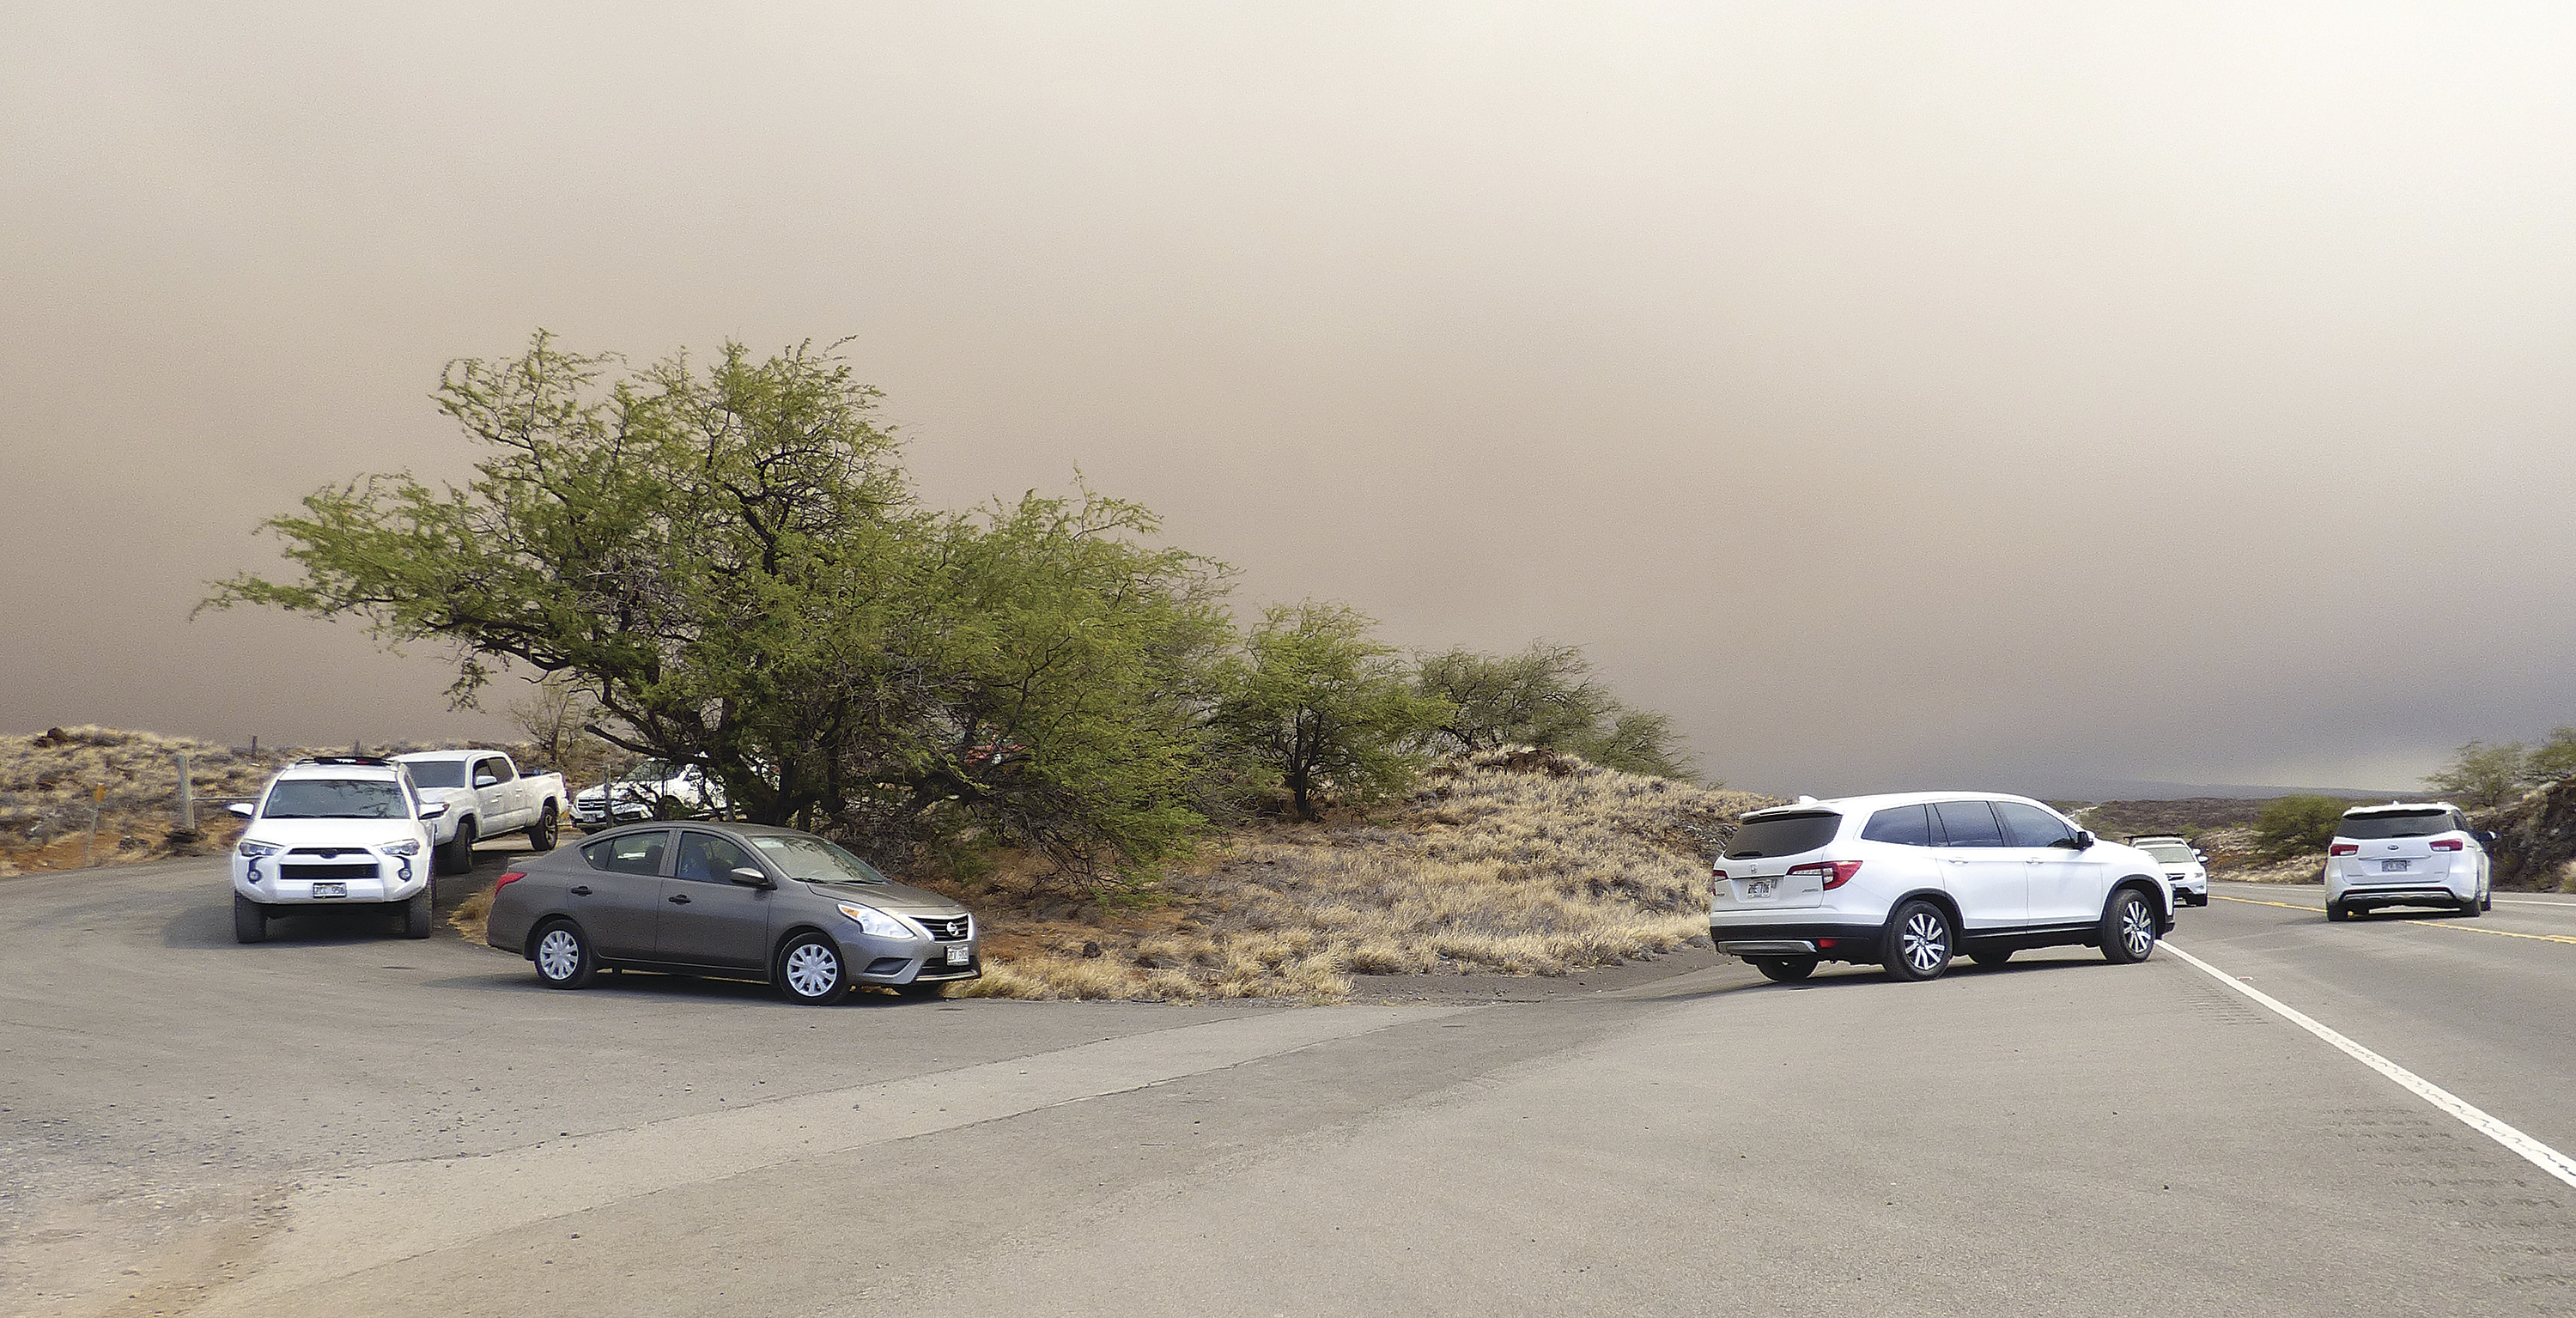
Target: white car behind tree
<point x="652" y="789"/>
<point x="486" y="796"/>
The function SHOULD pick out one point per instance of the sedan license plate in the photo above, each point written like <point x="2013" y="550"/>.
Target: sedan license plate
<point x="2392" y="867"/>
<point x="330" y="889"/>
<point x="1762" y="889"/>
<point x="957" y="954"/>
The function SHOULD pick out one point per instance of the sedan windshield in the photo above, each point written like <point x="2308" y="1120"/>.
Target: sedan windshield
<point x="336" y="798"/>
<point x="815" y="859"/>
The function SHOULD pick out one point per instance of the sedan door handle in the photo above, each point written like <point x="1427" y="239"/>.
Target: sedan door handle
<point x="582" y="891"/>
<point x="680" y="898"/>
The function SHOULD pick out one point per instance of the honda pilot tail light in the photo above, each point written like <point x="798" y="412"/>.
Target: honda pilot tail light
<point x="1835" y="873"/>
<point x="2446" y="844"/>
<point x="2343" y="849"/>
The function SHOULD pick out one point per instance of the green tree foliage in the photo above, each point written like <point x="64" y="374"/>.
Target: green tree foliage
<point x="2553" y="760"/>
<point x="729" y="563"/>
<point x="1545" y="696"/>
<point x="1316" y="706"/>
<point x="2297" y="825"/>
<point x="2480" y="775"/>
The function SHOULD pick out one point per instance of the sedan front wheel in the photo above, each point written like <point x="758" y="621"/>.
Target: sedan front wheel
<point x="810" y="970"/>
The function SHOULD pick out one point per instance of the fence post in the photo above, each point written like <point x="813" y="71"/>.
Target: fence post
<point x="97" y="799"/>
<point x="187" y="798"/>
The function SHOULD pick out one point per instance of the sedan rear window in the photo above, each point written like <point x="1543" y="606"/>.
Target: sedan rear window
<point x="2396" y="823"/>
<point x="1782" y="835"/>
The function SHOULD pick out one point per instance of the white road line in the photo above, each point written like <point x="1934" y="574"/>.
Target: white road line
<point x="2540" y="1155"/>
<point x="2509" y="901"/>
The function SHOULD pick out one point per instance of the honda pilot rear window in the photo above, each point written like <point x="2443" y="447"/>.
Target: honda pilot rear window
<point x="1782" y="835"/>
<point x="2396" y="823"/>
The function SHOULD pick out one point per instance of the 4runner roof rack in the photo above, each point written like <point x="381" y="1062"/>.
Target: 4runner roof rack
<point x="370" y="761"/>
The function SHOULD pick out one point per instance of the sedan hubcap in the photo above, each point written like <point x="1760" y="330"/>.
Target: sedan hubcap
<point x="1927" y="943"/>
<point x="557" y="954"/>
<point x="812" y="969"/>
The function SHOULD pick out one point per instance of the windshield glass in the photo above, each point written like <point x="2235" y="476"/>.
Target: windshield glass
<point x="336" y="798"/>
<point x="813" y="858"/>
<point x="2395" y="823"/>
<point x="1782" y="835"/>
<point x="650" y="771"/>
<point x="2172" y="855"/>
<point x="437" y="773"/>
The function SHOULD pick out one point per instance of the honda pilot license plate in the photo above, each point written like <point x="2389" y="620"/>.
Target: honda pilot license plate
<point x="1762" y="889"/>
<point x="957" y="954"/>
<point x="330" y="890"/>
<point x="2392" y="866"/>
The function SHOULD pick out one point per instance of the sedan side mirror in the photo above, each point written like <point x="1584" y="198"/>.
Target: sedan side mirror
<point x="749" y="877"/>
<point x="241" y="808"/>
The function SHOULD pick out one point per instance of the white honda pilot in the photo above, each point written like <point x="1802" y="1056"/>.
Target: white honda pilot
<point x="340" y="830"/>
<point x="2407" y="854"/>
<point x="1908" y="881"/>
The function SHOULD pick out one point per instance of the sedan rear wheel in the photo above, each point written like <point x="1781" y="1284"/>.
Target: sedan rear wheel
<point x="1919" y="941"/>
<point x="563" y="956"/>
<point x="2128" y="928"/>
<point x="810" y="970"/>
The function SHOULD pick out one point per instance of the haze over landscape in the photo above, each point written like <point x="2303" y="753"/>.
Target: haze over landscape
<point x="1896" y="395"/>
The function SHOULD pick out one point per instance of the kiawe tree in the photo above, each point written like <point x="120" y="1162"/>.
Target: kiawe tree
<point x="1545" y="696"/>
<point x="1317" y="705"/>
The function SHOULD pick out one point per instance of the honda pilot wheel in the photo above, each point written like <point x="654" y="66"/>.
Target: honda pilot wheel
<point x="2128" y="928"/>
<point x="1919" y="941"/>
<point x="1785" y="969"/>
<point x="563" y="956"/>
<point x="810" y="970"/>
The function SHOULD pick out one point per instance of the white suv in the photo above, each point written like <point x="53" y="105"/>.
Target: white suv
<point x="336" y="831"/>
<point x="2186" y="867"/>
<point x="2407" y="854"/>
<point x="1906" y="881"/>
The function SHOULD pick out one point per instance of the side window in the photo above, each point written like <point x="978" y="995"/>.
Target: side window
<point x="2031" y="826"/>
<point x="1905" y="825"/>
<point x="499" y="768"/>
<point x="711" y="859"/>
<point x="628" y="853"/>
<point x="1969" y="823"/>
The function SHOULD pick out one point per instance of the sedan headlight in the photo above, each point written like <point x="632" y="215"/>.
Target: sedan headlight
<point x="250" y="848"/>
<point x="406" y="847"/>
<point x="875" y="923"/>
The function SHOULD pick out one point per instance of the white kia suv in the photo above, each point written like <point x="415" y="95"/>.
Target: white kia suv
<point x="341" y="830"/>
<point x="1908" y="881"/>
<point x="2186" y="866"/>
<point x="2407" y="854"/>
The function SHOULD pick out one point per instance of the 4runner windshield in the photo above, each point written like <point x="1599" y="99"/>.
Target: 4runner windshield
<point x="815" y="859"/>
<point x="336" y="798"/>
<point x="1782" y="835"/>
<point x="2395" y="823"/>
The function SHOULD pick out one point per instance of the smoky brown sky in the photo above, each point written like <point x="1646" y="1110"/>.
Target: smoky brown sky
<point x="1895" y="394"/>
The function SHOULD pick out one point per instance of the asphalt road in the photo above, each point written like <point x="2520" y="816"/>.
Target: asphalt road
<point x="341" y="1122"/>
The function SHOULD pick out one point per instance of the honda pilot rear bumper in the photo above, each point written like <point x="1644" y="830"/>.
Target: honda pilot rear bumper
<point x="1831" y="942"/>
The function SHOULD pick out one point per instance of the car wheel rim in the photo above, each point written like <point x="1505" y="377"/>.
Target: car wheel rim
<point x="1927" y="943"/>
<point x="812" y="970"/>
<point x="2135" y="931"/>
<point x="557" y="954"/>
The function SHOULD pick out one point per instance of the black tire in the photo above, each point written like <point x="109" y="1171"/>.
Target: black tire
<point x="2469" y="909"/>
<point x="2486" y="900"/>
<point x="250" y="920"/>
<point x="1785" y="969"/>
<point x="420" y="913"/>
<point x="541" y="834"/>
<point x="2128" y="928"/>
<point x="2201" y="900"/>
<point x="2337" y="912"/>
<point x="1991" y="957"/>
<point x="1919" y="941"/>
<point x="809" y="970"/>
<point x="917" y="989"/>
<point x="562" y="955"/>
<point x="457" y="857"/>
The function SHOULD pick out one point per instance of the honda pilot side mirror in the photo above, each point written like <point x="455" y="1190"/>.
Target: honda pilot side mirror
<point x="241" y="808"/>
<point x="749" y="877"/>
<point x="2082" y="841"/>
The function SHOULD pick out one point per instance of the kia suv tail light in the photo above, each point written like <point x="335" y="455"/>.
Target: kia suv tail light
<point x="2343" y="849"/>
<point x="2446" y="844"/>
<point x="1835" y="873"/>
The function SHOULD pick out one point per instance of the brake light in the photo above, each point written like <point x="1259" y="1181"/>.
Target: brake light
<point x="1720" y="874"/>
<point x="506" y="880"/>
<point x="1835" y="873"/>
<point x="2446" y="844"/>
<point x="2343" y="849"/>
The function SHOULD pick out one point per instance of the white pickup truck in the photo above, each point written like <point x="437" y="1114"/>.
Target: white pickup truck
<point x="485" y="795"/>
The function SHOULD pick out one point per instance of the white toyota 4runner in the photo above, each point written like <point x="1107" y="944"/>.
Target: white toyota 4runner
<point x="336" y="831"/>
<point x="1908" y="881"/>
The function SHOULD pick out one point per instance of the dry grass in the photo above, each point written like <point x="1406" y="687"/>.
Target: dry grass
<point x="1510" y="863"/>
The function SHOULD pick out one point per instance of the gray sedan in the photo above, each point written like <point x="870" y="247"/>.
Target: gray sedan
<point x="736" y="900"/>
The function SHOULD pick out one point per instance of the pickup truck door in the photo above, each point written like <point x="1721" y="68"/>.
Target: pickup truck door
<point x="502" y="793"/>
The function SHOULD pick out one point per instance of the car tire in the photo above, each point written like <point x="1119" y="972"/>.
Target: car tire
<point x="250" y="920"/>
<point x="2469" y="909"/>
<point x="810" y="970"/>
<point x="1785" y="969"/>
<point x="563" y="956"/>
<point x="2128" y="928"/>
<point x="1992" y="957"/>
<point x="2486" y="900"/>
<point x="420" y="913"/>
<point x="2337" y="912"/>
<point x="457" y="857"/>
<point x="917" y="989"/>
<point x="1919" y="941"/>
<point x="542" y="834"/>
<point x="2200" y="900"/>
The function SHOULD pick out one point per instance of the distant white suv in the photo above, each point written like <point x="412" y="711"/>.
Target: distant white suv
<point x="2186" y="866"/>
<point x="2407" y="854"/>
<point x="336" y="831"/>
<point x="1908" y="881"/>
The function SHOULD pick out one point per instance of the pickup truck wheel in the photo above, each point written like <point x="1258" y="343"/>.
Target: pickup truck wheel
<point x="250" y="920"/>
<point x="1919" y="940"/>
<point x="420" y="913"/>
<point x="457" y="856"/>
<point x="564" y="959"/>
<point x="541" y="834"/>
<point x="1785" y="969"/>
<point x="2128" y="928"/>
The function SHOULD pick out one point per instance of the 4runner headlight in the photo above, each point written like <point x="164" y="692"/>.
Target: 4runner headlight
<point x="875" y="923"/>
<point x="250" y="848"/>
<point x="406" y="847"/>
